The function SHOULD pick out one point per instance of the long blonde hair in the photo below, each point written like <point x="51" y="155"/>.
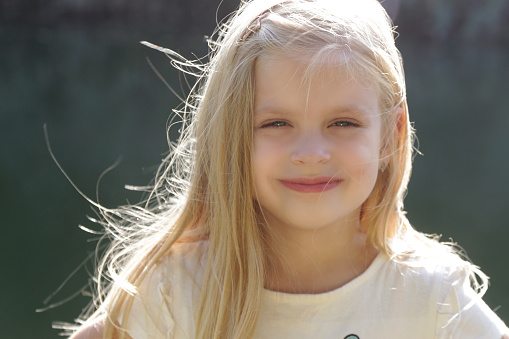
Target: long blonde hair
<point x="204" y="191"/>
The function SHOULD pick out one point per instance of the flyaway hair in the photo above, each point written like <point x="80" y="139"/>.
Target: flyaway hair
<point x="204" y="188"/>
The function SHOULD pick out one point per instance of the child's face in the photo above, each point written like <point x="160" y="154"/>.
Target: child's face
<point x="316" y="148"/>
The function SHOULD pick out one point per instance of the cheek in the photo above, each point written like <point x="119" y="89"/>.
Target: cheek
<point x="268" y="151"/>
<point x="259" y="156"/>
<point x="264" y="160"/>
<point x="359" y="154"/>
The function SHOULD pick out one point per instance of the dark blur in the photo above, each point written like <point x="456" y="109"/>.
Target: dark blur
<point x="434" y="20"/>
<point x="77" y="66"/>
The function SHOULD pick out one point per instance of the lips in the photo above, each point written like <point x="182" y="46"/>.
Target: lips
<point x="311" y="185"/>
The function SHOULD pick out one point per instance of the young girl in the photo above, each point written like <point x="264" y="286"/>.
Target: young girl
<point x="279" y="213"/>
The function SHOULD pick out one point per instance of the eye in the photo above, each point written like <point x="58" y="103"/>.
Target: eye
<point x="277" y="124"/>
<point x="345" y="123"/>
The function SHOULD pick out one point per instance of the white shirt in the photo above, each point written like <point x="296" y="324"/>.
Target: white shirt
<point x="388" y="301"/>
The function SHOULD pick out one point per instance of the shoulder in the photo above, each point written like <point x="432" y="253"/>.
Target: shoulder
<point x="456" y="288"/>
<point x="179" y="270"/>
<point x="166" y="296"/>
<point x="433" y="277"/>
<point x="189" y="255"/>
<point x="425" y="270"/>
<point x="183" y="260"/>
<point x="423" y="279"/>
<point x="443" y="286"/>
<point x="447" y="273"/>
<point x="184" y="266"/>
<point x="434" y="265"/>
<point x="91" y="330"/>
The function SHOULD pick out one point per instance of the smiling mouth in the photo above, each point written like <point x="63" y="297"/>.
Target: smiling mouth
<point x="311" y="185"/>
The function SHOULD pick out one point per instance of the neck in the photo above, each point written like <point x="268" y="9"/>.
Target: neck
<point x="317" y="261"/>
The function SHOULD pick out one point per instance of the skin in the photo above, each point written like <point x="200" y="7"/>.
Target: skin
<point x="92" y="331"/>
<point x="316" y="159"/>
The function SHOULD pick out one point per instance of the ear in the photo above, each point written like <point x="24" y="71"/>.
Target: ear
<point x="401" y="117"/>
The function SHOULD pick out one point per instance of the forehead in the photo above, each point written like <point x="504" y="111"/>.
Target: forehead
<point x="292" y="84"/>
<point x="338" y="59"/>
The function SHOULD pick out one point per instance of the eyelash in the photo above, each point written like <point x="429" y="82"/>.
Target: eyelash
<point x="275" y="124"/>
<point x="340" y="123"/>
<point x="345" y="123"/>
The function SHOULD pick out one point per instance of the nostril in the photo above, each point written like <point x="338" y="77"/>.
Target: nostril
<point x="311" y="156"/>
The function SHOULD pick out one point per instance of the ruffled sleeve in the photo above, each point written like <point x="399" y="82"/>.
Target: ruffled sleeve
<point x="150" y="315"/>
<point x="462" y="313"/>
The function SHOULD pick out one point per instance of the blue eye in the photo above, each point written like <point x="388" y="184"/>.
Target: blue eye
<point x="345" y="123"/>
<point x="276" y="124"/>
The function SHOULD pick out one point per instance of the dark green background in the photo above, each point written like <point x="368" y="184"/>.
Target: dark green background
<point x="91" y="84"/>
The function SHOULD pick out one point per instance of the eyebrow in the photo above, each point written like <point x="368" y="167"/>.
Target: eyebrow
<point x="271" y="110"/>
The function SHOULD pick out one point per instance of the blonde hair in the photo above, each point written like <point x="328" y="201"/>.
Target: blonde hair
<point x="204" y="191"/>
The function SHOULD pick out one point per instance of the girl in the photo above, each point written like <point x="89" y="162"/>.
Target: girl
<point x="279" y="213"/>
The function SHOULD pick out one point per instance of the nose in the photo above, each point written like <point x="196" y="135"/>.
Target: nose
<point x="310" y="149"/>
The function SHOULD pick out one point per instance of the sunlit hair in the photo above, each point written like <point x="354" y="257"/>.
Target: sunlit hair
<point x="204" y="189"/>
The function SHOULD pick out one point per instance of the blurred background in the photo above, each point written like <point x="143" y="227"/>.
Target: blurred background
<point x="77" y="66"/>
